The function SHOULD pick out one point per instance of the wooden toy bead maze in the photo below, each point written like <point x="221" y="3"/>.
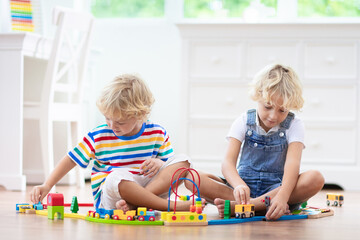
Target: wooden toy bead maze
<point x="195" y="215"/>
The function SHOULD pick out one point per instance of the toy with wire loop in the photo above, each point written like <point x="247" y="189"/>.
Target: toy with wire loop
<point x="195" y="215"/>
<point x="175" y="191"/>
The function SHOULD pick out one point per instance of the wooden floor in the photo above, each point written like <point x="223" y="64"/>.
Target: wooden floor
<point x="345" y="224"/>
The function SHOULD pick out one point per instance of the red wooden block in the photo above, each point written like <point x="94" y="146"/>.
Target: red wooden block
<point x="55" y="199"/>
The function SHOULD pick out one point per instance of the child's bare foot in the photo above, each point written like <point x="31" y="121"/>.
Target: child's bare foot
<point x="220" y="204"/>
<point x="123" y="205"/>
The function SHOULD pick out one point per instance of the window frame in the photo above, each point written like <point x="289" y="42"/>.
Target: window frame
<point x="286" y="13"/>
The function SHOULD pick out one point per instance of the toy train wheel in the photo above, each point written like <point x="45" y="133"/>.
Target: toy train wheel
<point x="97" y="215"/>
<point x="116" y="217"/>
<point x="152" y="218"/>
<point x="328" y="202"/>
<point x="243" y="215"/>
<point x="129" y="218"/>
<point x="335" y="203"/>
<point x="237" y="215"/>
<point x="141" y="218"/>
<point x="251" y="214"/>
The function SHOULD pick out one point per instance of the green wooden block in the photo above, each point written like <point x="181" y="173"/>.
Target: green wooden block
<point x="227" y="210"/>
<point x="59" y="210"/>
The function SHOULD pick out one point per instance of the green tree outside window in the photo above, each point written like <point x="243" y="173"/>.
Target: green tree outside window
<point x="328" y="8"/>
<point x="128" y="8"/>
<point x="224" y="8"/>
<point x="198" y="9"/>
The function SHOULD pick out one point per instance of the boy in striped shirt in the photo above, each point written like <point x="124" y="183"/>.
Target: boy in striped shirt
<point x="133" y="157"/>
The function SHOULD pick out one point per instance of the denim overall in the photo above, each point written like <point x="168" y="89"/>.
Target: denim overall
<point x="263" y="157"/>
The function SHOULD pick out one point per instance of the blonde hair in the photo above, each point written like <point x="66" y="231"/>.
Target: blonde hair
<point x="278" y="80"/>
<point x="127" y="96"/>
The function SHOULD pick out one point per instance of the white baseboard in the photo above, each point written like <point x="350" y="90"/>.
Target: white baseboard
<point x="11" y="182"/>
<point x="37" y="177"/>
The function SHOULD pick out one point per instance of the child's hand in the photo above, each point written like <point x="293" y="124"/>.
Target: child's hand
<point x="151" y="166"/>
<point x="278" y="207"/>
<point x="242" y="194"/>
<point x="39" y="192"/>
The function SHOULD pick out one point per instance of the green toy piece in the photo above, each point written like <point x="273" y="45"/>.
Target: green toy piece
<point x="74" y="205"/>
<point x="59" y="210"/>
<point x="303" y="205"/>
<point x="227" y="210"/>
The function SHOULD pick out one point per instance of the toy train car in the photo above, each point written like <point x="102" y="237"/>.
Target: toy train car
<point x="117" y="214"/>
<point x="112" y="214"/>
<point x="244" y="210"/>
<point x="334" y="199"/>
<point x="145" y="215"/>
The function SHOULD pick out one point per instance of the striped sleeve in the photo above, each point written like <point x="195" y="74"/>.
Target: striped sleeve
<point x="166" y="151"/>
<point x="84" y="152"/>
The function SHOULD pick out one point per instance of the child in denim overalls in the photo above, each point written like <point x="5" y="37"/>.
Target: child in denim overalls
<point x="270" y="140"/>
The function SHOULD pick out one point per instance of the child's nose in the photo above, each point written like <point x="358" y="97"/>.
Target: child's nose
<point x="273" y="115"/>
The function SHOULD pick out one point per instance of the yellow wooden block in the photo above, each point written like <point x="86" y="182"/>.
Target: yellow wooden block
<point x="66" y="215"/>
<point x="42" y="212"/>
<point x="183" y="218"/>
<point x="74" y="215"/>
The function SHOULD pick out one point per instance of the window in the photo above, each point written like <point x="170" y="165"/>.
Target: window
<point x="229" y="8"/>
<point x="328" y="8"/>
<point x="251" y="10"/>
<point x="128" y="8"/>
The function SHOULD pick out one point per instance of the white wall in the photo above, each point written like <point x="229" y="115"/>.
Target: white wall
<point x="149" y="48"/>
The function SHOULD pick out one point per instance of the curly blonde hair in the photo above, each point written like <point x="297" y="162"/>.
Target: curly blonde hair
<point x="127" y="96"/>
<point x="278" y="80"/>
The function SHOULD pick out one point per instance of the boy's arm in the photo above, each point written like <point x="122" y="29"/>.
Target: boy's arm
<point x="290" y="178"/>
<point x="64" y="166"/>
<point x="291" y="169"/>
<point x="150" y="167"/>
<point x="241" y="190"/>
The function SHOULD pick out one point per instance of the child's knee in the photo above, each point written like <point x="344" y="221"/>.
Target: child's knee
<point x="185" y="164"/>
<point x="188" y="184"/>
<point x="316" y="180"/>
<point x="319" y="179"/>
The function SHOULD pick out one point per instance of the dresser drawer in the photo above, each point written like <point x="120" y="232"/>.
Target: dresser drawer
<point x="330" y="60"/>
<point x="225" y="100"/>
<point x="207" y="140"/>
<point x="330" y="103"/>
<point x="336" y="145"/>
<point x="261" y="53"/>
<point x="215" y="60"/>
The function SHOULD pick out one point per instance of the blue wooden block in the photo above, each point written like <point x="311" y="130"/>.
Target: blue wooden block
<point x="235" y="220"/>
<point x="292" y="217"/>
<point x="253" y="219"/>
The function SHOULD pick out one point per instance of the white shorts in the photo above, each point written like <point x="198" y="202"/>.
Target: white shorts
<point x="110" y="191"/>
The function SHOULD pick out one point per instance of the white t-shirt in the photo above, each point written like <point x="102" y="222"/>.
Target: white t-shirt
<point x="295" y="133"/>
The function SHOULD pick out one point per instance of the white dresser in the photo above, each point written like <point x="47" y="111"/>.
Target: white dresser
<point x="220" y="59"/>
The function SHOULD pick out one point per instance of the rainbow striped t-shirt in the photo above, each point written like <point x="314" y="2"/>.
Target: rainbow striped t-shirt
<point x="110" y="152"/>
